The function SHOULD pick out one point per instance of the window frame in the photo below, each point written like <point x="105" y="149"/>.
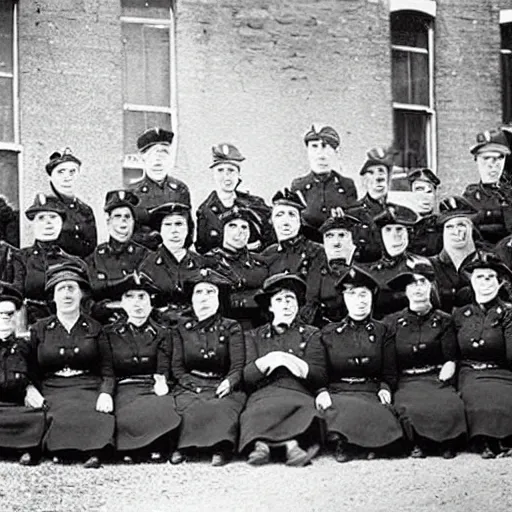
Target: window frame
<point x="132" y="161"/>
<point x="427" y="8"/>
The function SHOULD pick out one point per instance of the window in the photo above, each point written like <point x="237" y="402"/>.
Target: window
<point x="506" y="66"/>
<point x="412" y="41"/>
<point x="149" y="92"/>
<point x="10" y="148"/>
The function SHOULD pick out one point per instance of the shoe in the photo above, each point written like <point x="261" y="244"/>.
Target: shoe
<point x="260" y="455"/>
<point x="341" y="454"/>
<point x="177" y="457"/>
<point x="487" y="453"/>
<point x="156" y="458"/>
<point x="371" y="455"/>
<point x="417" y="453"/>
<point x="28" y="460"/>
<point x="449" y="453"/>
<point x="219" y="459"/>
<point x="297" y="457"/>
<point x="128" y="460"/>
<point x="92" y="463"/>
<point x="505" y="453"/>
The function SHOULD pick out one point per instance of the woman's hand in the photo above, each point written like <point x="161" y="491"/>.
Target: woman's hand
<point x="223" y="389"/>
<point x="269" y="362"/>
<point x="33" y="398"/>
<point x="296" y="365"/>
<point x="384" y="396"/>
<point x="447" y="371"/>
<point x="160" y="388"/>
<point x="105" y="403"/>
<point x="323" y="401"/>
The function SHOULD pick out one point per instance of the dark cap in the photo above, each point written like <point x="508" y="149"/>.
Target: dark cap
<point x="226" y="153"/>
<point x="57" y="158"/>
<point x="490" y="261"/>
<point x="72" y="270"/>
<point x="455" y="206"/>
<point x="157" y="215"/>
<point x="357" y="277"/>
<point x="416" y="266"/>
<point x="119" y="198"/>
<point x="424" y="175"/>
<point x="45" y="203"/>
<point x="153" y="136"/>
<point x="395" y="214"/>
<point x="326" y="134"/>
<point x="378" y="156"/>
<point x="339" y="221"/>
<point x="491" y="140"/>
<point x="135" y="281"/>
<point x="289" y="198"/>
<point x="278" y="282"/>
<point x="252" y="218"/>
<point x="9" y="292"/>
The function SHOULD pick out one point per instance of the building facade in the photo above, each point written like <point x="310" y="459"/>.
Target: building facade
<point x="91" y="74"/>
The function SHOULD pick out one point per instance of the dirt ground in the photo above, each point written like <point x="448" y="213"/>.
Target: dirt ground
<point x="466" y="483"/>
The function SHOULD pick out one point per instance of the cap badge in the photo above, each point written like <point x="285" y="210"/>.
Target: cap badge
<point x="121" y="194"/>
<point x="136" y="278"/>
<point x="42" y="198"/>
<point x="452" y="203"/>
<point x="225" y="149"/>
<point x="352" y="273"/>
<point x="381" y="153"/>
<point x="487" y="136"/>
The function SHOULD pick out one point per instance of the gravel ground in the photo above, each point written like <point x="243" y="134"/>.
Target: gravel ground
<point x="466" y="483"/>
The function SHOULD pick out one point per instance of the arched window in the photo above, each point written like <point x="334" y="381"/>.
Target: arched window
<point x="506" y="65"/>
<point x="149" y="92"/>
<point x="412" y="66"/>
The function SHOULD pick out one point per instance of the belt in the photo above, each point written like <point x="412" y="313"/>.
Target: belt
<point x="33" y="302"/>
<point x="483" y="366"/>
<point x="354" y="380"/>
<point x="421" y="371"/>
<point x="136" y="378"/>
<point x="68" y="372"/>
<point x="206" y="375"/>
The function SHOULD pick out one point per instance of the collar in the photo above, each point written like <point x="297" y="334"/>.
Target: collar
<point x="291" y="242"/>
<point x="193" y="324"/>
<point x="64" y="199"/>
<point x="117" y="247"/>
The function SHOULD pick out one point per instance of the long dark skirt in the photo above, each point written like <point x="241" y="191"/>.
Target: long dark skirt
<point x="276" y="414"/>
<point x="487" y="396"/>
<point x="361" y="419"/>
<point x="206" y="419"/>
<point x="141" y="416"/>
<point x="74" y="423"/>
<point x="429" y="408"/>
<point x="20" y="427"/>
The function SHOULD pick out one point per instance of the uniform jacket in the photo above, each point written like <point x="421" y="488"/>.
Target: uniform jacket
<point x="209" y="227"/>
<point x="322" y="192"/>
<point x="299" y="339"/>
<point x="213" y="347"/>
<point x="504" y="250"/>
<point x="14" y="375"/>
<point x="484" y="333"/>
<point x="422" y="340"/>
<point x="426" y="237"/>
<point x="359" y="350"/>
<point x="51" y="349"/>
<point x="11" y="264"/>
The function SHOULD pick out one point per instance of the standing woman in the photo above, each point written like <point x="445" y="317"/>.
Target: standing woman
<point x="146" y="420"/>
<point x="173" y="262"/>
<point x="484" y="336"/>
<point x="22" y="420"/>
<point x="208" y="359"/>
<point x="78" y="235"/>
<point x="361" y="370"/>
<point x="284" y="366"/>
<point x="431" y="412"/>
<point x="72" y="366"/>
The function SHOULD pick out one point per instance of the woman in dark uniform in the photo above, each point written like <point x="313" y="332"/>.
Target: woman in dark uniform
<point x="22" y="420"/>
<point x="47" y="216"/>
<point x="173" y="262"/>
<point x="484" y="336"/>
<point x="293" y="252"/>
<point x="431" y="412"/>
<point x="245" y="270"/>
<point x="78" y="235"/>
<point x="146" y="419"/>
<point x="324" y="303"/>
<point x="284" y="366"/>
<point x="361" y="370"/>
<point x="208" y="359"/>
<point x="71" y="363"/>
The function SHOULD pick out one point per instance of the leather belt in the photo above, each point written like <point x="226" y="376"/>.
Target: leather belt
<point x="206" y="375"/>
<point x="422" y="370"/>
<point x="483" y="366"/>
<point x="68" y="372"/>
<point x="136" y="378"/>
<point x="33" y="302"/>
<point x="354" y="380"/>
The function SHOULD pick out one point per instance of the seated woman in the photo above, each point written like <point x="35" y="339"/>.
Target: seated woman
<point x="173" y="262"/>
<point x="146" y="420"/>
<point x="431" y="411"/>
<point x="284" y="364"/>
<point x="361" y="371"/>
<point x="72" y="365"/>
<point x="208" y="358"/>
<point x="245" y="270"/>
<point x="47" y="216"/>
<point x="324" y="304"/>
<point x="22" y="423"/>
<point x="484" y="336"/>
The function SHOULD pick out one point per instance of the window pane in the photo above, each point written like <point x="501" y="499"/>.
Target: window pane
<point x="410" y="129"/>
<point x="506" y="36"/>
<point x="6" y="111"/>
<point x="410" y="29"/>
<point x="419" y="78"/>
<point x="506" y="87"/>
<point x="146" y="8"/>
<point x="400" y="78"/>
<point x="9" y="222"/>
<point x="6" y="36"/>
<point x="410" y="77"/>
<point x="147" y="64"/>
<point x="136" y="122"/>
